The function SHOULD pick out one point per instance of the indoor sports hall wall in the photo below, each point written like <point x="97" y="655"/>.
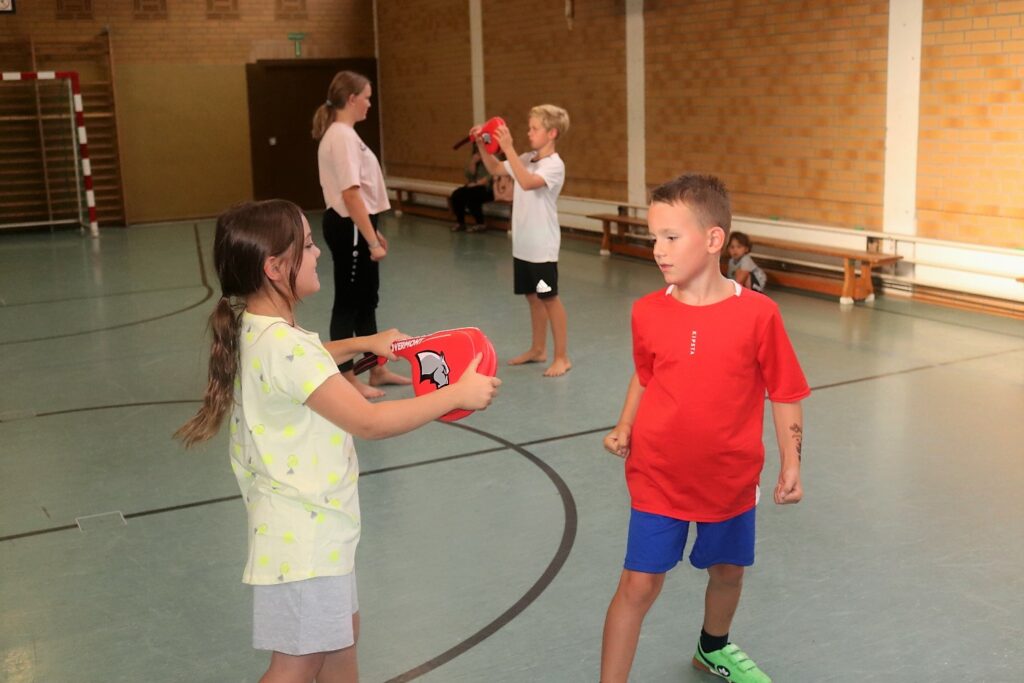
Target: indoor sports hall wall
<point x="424" y="65"/>
<point x="529" y="58"/>
<point x="180" y="83"/>
<point x="785" y="99"/>
<point x="971" y="154"/>
<point x="788" y="106"/>
<point x="185" y="139"/>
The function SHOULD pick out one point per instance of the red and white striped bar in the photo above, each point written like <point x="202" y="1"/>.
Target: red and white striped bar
<point x="83" y="141"/>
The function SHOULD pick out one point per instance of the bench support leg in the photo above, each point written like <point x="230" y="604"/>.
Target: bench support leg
<point x="398" y="201"/>
<point x="606" y="240"/>
<point x="846" y="298"/>
<point x="865" y="288"/>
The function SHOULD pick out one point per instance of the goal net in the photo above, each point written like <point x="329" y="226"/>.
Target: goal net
<point x="45" y="175"/>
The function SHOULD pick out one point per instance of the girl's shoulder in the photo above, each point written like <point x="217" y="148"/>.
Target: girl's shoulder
<point x="339" y="131"/>
<point x="269" y="331"/>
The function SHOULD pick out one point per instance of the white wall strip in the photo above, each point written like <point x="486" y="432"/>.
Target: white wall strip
<point x="636" y="95"/>
<point x="476" y="58"/>
<point x="902" y="114"/>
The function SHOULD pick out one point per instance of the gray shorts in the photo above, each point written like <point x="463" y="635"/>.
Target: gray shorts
<point x="302" y="617"/>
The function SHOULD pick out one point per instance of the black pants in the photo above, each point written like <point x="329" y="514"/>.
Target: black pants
<point x="472" y="199"/>
<point x="356" y="280"/>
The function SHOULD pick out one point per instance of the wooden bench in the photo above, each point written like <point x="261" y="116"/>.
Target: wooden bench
<point x="405" y="202"/>
<point x="857" y="265"/>
<point x="619" y="241"/>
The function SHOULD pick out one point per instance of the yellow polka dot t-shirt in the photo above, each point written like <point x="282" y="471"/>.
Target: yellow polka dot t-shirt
<point x="297" y="471"/>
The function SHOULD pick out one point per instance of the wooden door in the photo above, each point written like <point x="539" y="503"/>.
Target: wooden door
<point x="283" y="94"/>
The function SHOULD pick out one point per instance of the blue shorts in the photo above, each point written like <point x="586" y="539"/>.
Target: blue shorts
<point x="656" y="543"/>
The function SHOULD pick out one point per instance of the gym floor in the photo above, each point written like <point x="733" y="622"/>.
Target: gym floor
<point x="492" y="546"/>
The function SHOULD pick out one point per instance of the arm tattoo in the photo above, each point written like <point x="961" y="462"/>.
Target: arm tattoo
<point x="798" y="434"/>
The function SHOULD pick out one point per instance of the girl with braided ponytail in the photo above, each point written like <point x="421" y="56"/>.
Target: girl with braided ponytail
<point x="292" y="419"/>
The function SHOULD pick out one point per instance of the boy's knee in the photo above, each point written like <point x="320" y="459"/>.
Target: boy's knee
<point x="304" y="667"/>
<point x="729" y="574"/>
<point x="640" y="588"/>
<point x="315" y="665"/>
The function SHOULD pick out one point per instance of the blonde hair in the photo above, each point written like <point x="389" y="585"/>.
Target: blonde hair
<point x="343" y="85"/>
<point x="246" y="236"/>
<point x="551" y="116"/>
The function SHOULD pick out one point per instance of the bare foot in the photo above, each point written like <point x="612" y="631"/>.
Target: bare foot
<point x="384" y="376"/>
<point x="366" y="390"/>
<point x="559" y="367"/>
<point x="530" y="356"/>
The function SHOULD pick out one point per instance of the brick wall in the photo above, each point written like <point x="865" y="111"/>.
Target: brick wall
<point x="180" y="83"/>
<point x="530" y="57"/>
<point x="971" y="157"/>
<point x="425" y="93"/>
<point x="784" y="100"/>
<point x="333" y="28"/>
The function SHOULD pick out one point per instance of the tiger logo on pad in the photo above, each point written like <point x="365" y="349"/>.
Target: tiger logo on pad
<point x="433" y="368"/>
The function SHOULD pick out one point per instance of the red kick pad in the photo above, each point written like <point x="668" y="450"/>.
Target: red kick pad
<point x="489" y="136"/>
<point x="439" y="359"/>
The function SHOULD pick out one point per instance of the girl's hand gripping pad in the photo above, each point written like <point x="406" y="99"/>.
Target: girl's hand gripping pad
<point x="438" y="360"/>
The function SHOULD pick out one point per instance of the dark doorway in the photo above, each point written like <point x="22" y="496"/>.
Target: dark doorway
<point x="283" y="94"/>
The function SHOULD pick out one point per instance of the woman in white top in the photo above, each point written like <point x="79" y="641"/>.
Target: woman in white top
<point x="354" y="192"/>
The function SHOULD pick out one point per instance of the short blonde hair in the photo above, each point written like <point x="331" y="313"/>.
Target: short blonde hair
<point x="551" y="116"/>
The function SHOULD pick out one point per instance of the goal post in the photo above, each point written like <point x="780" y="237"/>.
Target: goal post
<point x="45" y="173"/>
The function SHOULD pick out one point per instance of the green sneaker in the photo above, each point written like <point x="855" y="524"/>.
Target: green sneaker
<point x="730" y="663"/>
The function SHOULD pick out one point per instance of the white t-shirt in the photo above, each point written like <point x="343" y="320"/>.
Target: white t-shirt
<point x="536" y="235"/>
<point x="346" y="161"/>
<point x="296" y="470"/>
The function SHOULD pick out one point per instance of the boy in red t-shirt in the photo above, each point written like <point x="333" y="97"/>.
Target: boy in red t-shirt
<point x="706" y="351"/>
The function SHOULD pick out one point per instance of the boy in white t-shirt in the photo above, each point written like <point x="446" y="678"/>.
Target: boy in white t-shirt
<point x="536" y="235"/>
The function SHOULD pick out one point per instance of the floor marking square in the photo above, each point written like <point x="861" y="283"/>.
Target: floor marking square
<point x="101" y="521"/>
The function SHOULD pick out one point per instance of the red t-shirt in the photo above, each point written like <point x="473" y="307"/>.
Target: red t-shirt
<point x="696" y="451"/>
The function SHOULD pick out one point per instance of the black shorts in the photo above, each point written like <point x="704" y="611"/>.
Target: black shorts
<point x="535" y="278"/>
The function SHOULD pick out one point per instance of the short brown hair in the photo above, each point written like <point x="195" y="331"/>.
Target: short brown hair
<point x="552" y="117"/>
<point x="705" y="195"/>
